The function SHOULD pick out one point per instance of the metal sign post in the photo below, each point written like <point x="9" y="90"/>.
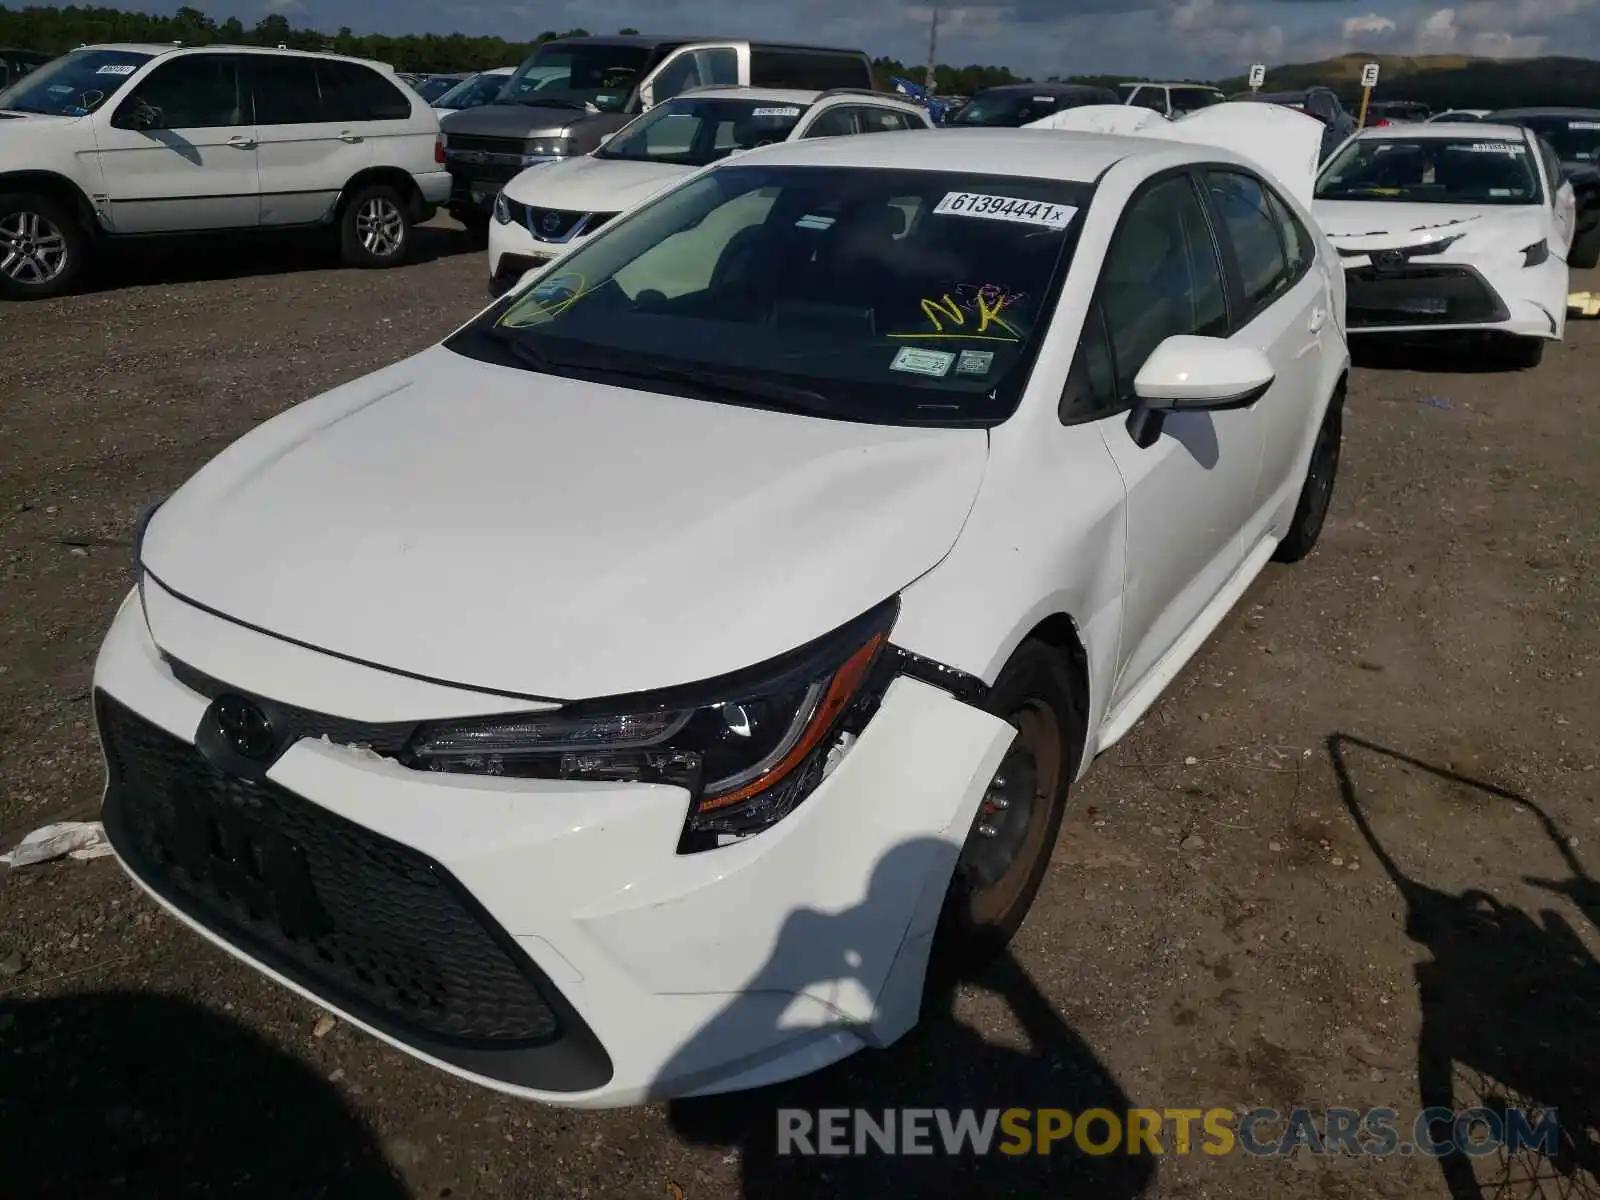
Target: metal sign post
<point x="1258" y="76"/>
<point x="1369" y="80"/>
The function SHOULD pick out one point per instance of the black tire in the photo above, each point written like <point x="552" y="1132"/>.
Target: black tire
<point x="1007" y="850"/>
<point x="43" y="249"/>
<point x="1521" y="353"/>
<point x="1585" y="251"/>
<point x="376" y="229"/>
<point x="1316" y="494"/>
<point x="477" y="226"/>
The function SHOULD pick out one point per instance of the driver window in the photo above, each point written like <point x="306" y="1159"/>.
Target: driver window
<point x="836" y="122"/>
<point x="199" y="91"/>
<point x="696" y="68"/>
<point x="1161" y="277"/>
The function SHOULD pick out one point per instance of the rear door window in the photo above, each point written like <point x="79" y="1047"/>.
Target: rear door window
<point x="813" y="70"/>
<point x="287" y="91"/>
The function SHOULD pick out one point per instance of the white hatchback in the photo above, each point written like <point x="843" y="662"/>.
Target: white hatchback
<point x="626" y="697"/>
<point x="551" y="208"/>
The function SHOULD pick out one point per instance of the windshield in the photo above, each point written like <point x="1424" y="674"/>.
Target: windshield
<point x="1188" y="100"/>
<point x="894" y="297"/>
<point x="473" y="93"/>
<point x="1575" y="139"/>
<point x="694" y="132"/>
<point x="73" y="85"/>
<point x="434" y="86"/>
<point x="1431" y="170"/>
<point x="578" y="76"/>
<point x="1010" y="110"/>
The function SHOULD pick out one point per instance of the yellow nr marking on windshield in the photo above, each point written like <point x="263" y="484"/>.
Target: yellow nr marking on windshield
<point x="544" y="308"/>
<point x="949" y="310"/>
<point x="964" y="337"/>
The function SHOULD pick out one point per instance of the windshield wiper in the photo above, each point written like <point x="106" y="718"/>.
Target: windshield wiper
<point x="738" y="389"/>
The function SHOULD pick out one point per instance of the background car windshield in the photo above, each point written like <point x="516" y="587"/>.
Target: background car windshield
<point x="1575" y="139"/>
<point x="431" y="89"/>
<point x="1431" y="171"/>
<point x="597" y="76"/>
<point x="873" y="295"/>
<point x="473" y="93"/>
<point x="75" y="84"/>
<point x="1006" y="111"/>
<point x="694" y="132"/>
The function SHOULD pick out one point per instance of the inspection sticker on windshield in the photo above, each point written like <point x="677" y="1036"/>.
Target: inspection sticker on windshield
<point x="776" y="112"/>
<point x="1005" y="208"/>
<point x="923" y="362"/>
<point x="1495" y="148"/>
<point x="975" y="362"/>
<point x="116" y="69"/>
<point x="1583" y="124"/>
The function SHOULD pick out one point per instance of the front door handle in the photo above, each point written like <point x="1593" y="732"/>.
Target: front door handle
<point x="240" y="141"/>
<point x="347" y="136"/>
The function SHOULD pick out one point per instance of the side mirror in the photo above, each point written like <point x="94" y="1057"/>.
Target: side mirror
<point x="1187" y="373"/>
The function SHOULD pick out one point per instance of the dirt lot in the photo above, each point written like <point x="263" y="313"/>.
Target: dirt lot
<point x="1351" y="856"/>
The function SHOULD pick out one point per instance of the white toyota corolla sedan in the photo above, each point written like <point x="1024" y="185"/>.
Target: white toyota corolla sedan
<point x="622" y="698"/>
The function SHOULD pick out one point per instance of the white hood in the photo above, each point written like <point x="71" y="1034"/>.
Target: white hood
<point x="1287" y="145"/>
<point x="1379" y="225"/>
<point x="518" y="532"/>
<point x="590" y="184"/>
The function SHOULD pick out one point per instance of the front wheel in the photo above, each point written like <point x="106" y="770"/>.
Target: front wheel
<point x="375" y="231"/>
<point x="1007" y="850"/>
<point x="1316" y="495"/>
<point x="42" y="248"/>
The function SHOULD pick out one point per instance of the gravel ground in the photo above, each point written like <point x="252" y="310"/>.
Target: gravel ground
<point x="1349" y="858"/>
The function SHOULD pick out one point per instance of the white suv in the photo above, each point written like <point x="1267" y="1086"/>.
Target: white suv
<point x="550" y="208"/>
<point x="116" y="141"/>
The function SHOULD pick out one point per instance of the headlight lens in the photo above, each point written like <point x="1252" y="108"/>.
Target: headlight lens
<point x="748" y="747"/>
<point x="502" y="209"/>
<point x="553" y="147"/>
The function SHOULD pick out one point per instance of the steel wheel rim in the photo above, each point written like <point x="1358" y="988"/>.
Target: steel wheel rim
<point x="33" y="250"/>
<point x="380" y="227"/>
<point x="1014" y="817"/>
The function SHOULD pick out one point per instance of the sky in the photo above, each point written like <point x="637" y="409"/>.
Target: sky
<point x="1173" y="38"/>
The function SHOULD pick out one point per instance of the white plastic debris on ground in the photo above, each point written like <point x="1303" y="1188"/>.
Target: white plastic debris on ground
<point x="65" y="839"/>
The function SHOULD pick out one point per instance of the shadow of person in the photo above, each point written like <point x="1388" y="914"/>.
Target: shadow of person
<point x="126" y="1093"/>
<point x="942" y="1063"/>
<point x="1510" y="1004"/>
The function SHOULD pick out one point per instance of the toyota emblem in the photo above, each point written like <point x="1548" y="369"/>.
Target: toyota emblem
<point x="1389" y="260"/>
<point x="551" y="222"/>
<point x="245" y="727"/>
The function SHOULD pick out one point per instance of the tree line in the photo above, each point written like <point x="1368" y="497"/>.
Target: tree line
<point x="57" y="30"/>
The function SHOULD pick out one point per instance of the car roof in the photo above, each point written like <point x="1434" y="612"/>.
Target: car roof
<point x="1477" y="130"/>
<point x="156" y="49"/>
<point x="651" y="40"/>
<point x="1555" y="110"/>
<point x="739" y="91"/>
<point x="1205" y="87"/>
<point x="1069" y="156"/>
<point x="1042" y="89"/>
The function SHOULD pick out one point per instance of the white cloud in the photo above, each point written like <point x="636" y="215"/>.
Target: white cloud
<point x="1371" y="23"/>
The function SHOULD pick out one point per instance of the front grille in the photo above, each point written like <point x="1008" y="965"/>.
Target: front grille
<point x="1420" y="296"/>
<point x="375" y="927"/>
<point x="484" y="145"/>
<point x="552" y="224"/>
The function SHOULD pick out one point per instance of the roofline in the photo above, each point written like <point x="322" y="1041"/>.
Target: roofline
<point x="653" y="39"/>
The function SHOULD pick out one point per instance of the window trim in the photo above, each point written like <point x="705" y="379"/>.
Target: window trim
<point x="1123" y="404"/>
<point x="1242" y="311"/>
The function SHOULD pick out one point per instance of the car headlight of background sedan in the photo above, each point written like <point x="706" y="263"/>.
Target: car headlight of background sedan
<point x="550" y="147"/>
<point x="748" y="747"/>
<point x="502" y="209"/>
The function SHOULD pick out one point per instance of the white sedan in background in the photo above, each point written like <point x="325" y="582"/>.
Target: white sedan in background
<point x="624" y="698"/>
<point x="1452" y="228"/>
<point x="550" y="209"/>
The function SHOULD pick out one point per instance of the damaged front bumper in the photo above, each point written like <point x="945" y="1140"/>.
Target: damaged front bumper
<point x="1417" y="289"/>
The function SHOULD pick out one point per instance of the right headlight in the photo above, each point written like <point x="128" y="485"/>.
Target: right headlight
<point x="502" y="209"/>
<point x="748" y="747"/>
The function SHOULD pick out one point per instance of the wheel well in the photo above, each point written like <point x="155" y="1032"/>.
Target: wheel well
<point x="1060" y="632"/>
<point x="57" y="187"/>
<point x="392" y="176"/>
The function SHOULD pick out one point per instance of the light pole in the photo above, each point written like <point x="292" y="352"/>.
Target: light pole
<point x="928" y="84"/>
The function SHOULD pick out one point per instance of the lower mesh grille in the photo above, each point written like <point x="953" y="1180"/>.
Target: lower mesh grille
<point x="1440" y="295"/>
<point x="373" y="926"/>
